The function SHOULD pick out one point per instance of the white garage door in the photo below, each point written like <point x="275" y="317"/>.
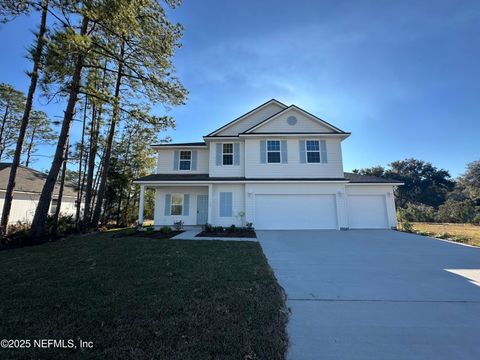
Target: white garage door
<point x="367" y="212"/>
<point x="285" y="212"/>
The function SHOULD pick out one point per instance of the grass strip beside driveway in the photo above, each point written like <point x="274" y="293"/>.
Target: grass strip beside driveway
<point x="143" y="298"/>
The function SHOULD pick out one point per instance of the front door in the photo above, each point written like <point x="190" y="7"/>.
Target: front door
<point x="202" y="209"/>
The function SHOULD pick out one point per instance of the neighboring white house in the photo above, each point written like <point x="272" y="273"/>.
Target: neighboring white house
<point x="29" y="184"/>
<point x="278" y="167"/>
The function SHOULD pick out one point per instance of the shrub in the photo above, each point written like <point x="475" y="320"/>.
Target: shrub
<point x="218" y="229"/>
<point x="232" y="228"/>
<point x="149" y="229"/>
<point x="406" y="226"/>
<point x="443" y="235"/>
<point x="476" y="219"/>
<point x="66" y="225"/>
<point x="419" y="212"/>
<point x="249" y="225"/>
<point x="18" y="235"/>
<point x="178" y="225"/>
<point x="403" y="223"/>
<point x="457" y="211"/>
<point x="165" y="229"/>
<point x="208" y="228"/>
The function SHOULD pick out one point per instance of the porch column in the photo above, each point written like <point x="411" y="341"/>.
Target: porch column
<point x="141" y="205"/>
<point x="210" y="202"/>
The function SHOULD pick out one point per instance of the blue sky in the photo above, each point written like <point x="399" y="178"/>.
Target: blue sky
<point x="402" y="76"/>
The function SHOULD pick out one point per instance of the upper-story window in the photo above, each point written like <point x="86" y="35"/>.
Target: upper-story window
<point x="185" y="160"/>
<point x="313" y="151"/>
<point x="273" y="151"/>
<point x="227" y="154"/>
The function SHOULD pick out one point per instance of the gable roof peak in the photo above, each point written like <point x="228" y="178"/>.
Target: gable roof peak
<point x="295" y="107"/>
<point x="238" y="119"/>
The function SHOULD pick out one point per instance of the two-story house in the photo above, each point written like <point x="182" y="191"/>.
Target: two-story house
<point x="278" y="167"/>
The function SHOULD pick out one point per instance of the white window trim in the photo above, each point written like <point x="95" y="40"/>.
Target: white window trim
<point x="172" y="204"/>
<point x="312" y="151"/>
<point x="180" y="160"/>
<point x="279" y="151"/>
<point x="232" y="153"/>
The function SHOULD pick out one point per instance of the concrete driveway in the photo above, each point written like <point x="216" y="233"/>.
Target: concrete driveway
<point x="377" y="294"/>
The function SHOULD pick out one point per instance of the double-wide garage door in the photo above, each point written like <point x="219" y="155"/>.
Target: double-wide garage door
<point x="285" y="211"/>
<point x="318" y="211"/>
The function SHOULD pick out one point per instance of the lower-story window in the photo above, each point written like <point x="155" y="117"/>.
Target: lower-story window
<point x="226" y="204"/>
<point x="176" y="207"/>
<point x="53" y="206"/>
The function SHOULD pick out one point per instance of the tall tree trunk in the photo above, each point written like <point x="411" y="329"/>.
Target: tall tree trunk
<point x="92" y="155"/>
<point x="96" y="181"/>
<point x="2" y="128"/>
<point x="124" y="168"/>
<point x="108" y="149"/>
<point x="60" y="193"/>
<point x="4" y="121"/>
<point x="29" y="148"/>
<point x="7" y="205"/>
<point x="80" y="160"/>
<point x="38" y="223"/>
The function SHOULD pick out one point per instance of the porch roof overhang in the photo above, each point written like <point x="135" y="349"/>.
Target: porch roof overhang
<point x="205" y="179"/>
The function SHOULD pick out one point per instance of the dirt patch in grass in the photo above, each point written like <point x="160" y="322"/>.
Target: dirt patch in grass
<point x="464" y="233"/>
<point x="135" y="298"/>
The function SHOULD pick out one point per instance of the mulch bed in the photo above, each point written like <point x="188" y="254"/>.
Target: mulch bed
<point x="234" y="234"/>
<point x="146" y="234"/>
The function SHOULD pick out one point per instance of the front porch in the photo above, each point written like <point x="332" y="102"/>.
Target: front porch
<point x="191" y="204"/>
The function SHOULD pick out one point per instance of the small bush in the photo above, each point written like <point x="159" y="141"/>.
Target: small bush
<point x="66" y="225"/>
<point x="178" y="225"/>
<point x="218" y="229"/>
<point x="249" y="225"/>
<point x="406" y="226"/>
<point x="18" y="235"/>
<point x="404" y="223"/>
<point x="208" y="228"/>
<point x="149" y="229"/>
<point x="232" y="228"/>
<point x="166" y="229"/>
<point x="443" y="235"/>
<point x="476" y="220"/>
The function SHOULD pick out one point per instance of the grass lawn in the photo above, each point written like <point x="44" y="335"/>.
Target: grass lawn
<point x="138" y="298"/>
<point x="465" y="233"/>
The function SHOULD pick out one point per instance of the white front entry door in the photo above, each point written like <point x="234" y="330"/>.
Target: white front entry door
<point x="367" y="212"/>
<point x="293" y="211"/>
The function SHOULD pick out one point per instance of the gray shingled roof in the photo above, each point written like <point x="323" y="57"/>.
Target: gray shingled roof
<point x="362" y="179"/>
<point x="353" y="178"/>
<point x="30" y="180"/>
<point x="183" y="144"/>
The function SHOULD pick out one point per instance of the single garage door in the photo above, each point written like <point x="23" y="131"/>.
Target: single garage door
<point x="367" y="212"/>
<point x="285" y="211"/>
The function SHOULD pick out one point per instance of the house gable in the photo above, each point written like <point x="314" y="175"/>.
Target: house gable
<point x="250" y="119"/>
<point x="293" y="120"/>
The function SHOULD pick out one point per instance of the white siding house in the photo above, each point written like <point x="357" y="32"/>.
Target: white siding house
<point x="29" y="184"/>
<point x="278" y="167"/>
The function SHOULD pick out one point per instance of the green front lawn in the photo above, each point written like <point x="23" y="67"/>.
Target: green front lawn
<point x="138" y="298"/>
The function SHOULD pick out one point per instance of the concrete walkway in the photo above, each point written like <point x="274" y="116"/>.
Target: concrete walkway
<point x="192" y="233"/>
<point x="377" y="294"/>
